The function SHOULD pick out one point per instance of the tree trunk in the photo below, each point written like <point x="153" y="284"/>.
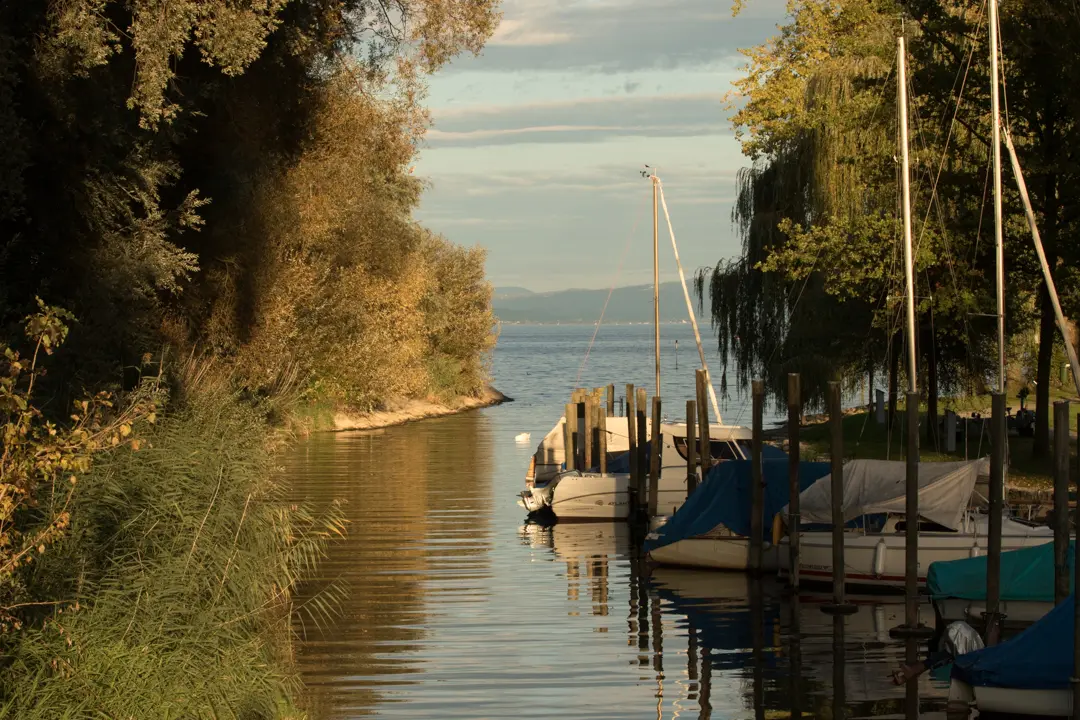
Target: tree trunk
<point x="1047" y="329"/>
<point x="894" y="372"/>
<point x="931" y="389"/>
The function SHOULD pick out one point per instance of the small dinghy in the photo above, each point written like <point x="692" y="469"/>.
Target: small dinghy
<point x="522" y="437"/>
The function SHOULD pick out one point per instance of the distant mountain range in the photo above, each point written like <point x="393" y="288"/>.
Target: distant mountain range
<point x="627" y="305"/>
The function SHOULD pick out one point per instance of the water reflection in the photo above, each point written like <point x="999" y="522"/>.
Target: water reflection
<point x="452" y="608"/>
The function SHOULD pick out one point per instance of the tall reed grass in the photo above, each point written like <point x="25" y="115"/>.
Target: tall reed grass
<point x="170" y="597"/>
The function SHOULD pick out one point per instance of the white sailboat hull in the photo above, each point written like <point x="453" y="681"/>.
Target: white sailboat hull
<point x="722" y="553"/>
<point x="1011" y="701"/>
<point x="1017" y="612"/>
<point x="878" y="560"/>
<point x="592" y="496"/>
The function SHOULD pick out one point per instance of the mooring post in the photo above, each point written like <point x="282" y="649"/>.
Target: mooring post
<point x="998" y="438"/>
<point x="691" y="448"/>
<point x="642" y="443"/>
<point x="601" y="430"/>
<point x="611" y="399"/>
<point x="911" y="626"/>
<point x="1061" y="501"/>
<point x="595" y="411"/>
<point x="570" y="437"/>
<point x="1076" y="609"/>
<point x="583" y="431"/>
<point x="839" y="606"/>
<point x="757" y="478"/>
<point x="631" y="438"/>
<point x="654" y="460"/>
<point x="704" y="441"/>
<point x="794" y="414"/>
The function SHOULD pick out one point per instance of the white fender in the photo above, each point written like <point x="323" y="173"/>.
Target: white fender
<point x="879" y="557"/>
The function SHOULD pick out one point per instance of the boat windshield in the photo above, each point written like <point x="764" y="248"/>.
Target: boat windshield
<point x="719" y="449"/>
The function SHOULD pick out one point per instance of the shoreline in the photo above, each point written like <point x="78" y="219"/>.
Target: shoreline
<point x="401" y="411"/>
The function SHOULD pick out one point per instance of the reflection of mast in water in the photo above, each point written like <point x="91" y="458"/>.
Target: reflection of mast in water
<point x="911" y="700"/>
<point x="757" y="617"/>
<point x="795" y="653"/>
<point x="838" y="667"/>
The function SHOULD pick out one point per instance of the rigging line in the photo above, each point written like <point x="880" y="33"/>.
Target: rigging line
<point x="618" y="274"/>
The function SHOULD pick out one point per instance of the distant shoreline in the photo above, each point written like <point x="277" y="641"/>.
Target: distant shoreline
<point x="404" y="411"/>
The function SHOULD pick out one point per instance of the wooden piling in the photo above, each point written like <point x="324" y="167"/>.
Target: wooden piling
<point x="596" y="411"/>
<point x="582" y="434"/>
<point x="611" y="399"/>
<point x="911" y="527"/>
<point x="998" y="438"/>
<point x="691" y="448"/>
<point x="588" y="431"/>
<point x="570" y="437"/>
<point x="757" y="488"/>
<point x="631" y="437"/>
<point x="704" y="441"/>
<point x="1076" y="610"/>
<point x="1061" y="501"/>
<point x="654" y="459"/>
<point x="601" y="428"/>
<point x="794" y="419"/>
<point x="641" y="423"/>
<point x="839" y="604"/>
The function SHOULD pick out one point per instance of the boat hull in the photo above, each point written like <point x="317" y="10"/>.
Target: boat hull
<point x="878" y="560"/>
<point x="725" y="553"/>
<point x="1017" y="612"/>
<point x="592" y="496"/>
<point x="1011" y="701"/>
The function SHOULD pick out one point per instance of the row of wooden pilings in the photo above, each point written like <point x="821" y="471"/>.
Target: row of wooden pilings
<point x="587" y="437"/>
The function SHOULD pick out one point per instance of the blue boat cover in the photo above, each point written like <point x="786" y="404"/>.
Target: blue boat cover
<point x="1039" y="658"/>
<point x="725" y="496"/>
<point x="1026" y="574"/>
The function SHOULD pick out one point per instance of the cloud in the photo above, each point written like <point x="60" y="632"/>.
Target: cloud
<point x="583" y="120"/>
<point x="621" y="35"/>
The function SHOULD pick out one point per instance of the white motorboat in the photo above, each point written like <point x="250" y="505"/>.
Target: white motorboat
<point x="874" y="554"/>
<point x="578" y="495"/>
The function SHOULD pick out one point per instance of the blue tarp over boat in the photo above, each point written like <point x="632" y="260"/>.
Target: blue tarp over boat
<point x="725" y="496"/>
<point x="1026" y="574"/>
<point x="1039" y="658"/>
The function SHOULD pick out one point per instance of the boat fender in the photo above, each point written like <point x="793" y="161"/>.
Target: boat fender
<point x="974" y="551"/>
<point x="879" y="558"/>
<point x="777" y="529"/>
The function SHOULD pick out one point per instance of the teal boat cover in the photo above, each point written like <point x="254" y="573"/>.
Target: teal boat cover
<point x="725" y="497"/>
<point x="1026" y="574"/>
<point x="1039" y="658"/>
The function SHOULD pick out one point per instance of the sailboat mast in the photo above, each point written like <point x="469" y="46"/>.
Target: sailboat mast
<point x="656" y="276"/>
<point x="909" y="261"/>
<point x="999" y="245"/>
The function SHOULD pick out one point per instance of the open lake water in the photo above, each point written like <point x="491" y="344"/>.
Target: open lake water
<point x="452" y="606"/>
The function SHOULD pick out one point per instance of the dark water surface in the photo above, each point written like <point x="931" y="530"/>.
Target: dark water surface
<point x="454" y="607"/>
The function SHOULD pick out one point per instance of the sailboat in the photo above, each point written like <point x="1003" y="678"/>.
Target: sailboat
<point x="874" y="493"/>
<point x="588" y="494"/>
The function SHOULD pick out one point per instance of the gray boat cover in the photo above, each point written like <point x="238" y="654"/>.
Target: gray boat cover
<point x="877" y="486"/>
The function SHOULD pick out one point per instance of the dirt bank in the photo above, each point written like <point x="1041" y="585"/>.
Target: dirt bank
<point x="398" y="412"/>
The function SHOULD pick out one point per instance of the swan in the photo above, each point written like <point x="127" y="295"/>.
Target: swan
<point x="522" y="437"/>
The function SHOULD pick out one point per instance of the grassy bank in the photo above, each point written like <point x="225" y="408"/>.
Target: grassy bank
<point x="170" y="593"/>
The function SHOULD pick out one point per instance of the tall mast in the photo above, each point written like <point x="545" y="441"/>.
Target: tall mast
<point x="999" y="246"/>
<point x="656" y="275"/>
<point x="909" y="261"/>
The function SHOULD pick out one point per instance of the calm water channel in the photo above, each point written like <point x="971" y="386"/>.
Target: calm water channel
<point x="453" y="607"/>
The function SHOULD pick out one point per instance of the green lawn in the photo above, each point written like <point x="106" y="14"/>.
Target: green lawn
<point x="864" y="438"/>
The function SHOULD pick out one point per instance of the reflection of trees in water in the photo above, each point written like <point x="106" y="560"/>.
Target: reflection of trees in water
<point x="417" y="497"/>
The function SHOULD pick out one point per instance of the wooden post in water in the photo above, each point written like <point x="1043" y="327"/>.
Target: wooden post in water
<point x="757" y="489"/>
<point x="654" y="459"/>
<point x="794" y="404"/>
<point x="583" y="435"/>
<point x="998" y="438"/>
<point x="570" y="437"/>
<point x="642" y="442"/>
<point x="631" y="437"/>
<point x="611" y="399"/>
<point x="691" y="448"/>
<point x="911" y="626"/>
<point x="1076" y="610"/>
<point x="1061" y="501"/>
<point x="704" y="441"/>
<point x="595" y="411"/>
<point x="839" y="605"/>
<point x="601" y="429"/>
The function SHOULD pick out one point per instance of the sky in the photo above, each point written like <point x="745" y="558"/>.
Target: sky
<point x="537" y="144"/>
